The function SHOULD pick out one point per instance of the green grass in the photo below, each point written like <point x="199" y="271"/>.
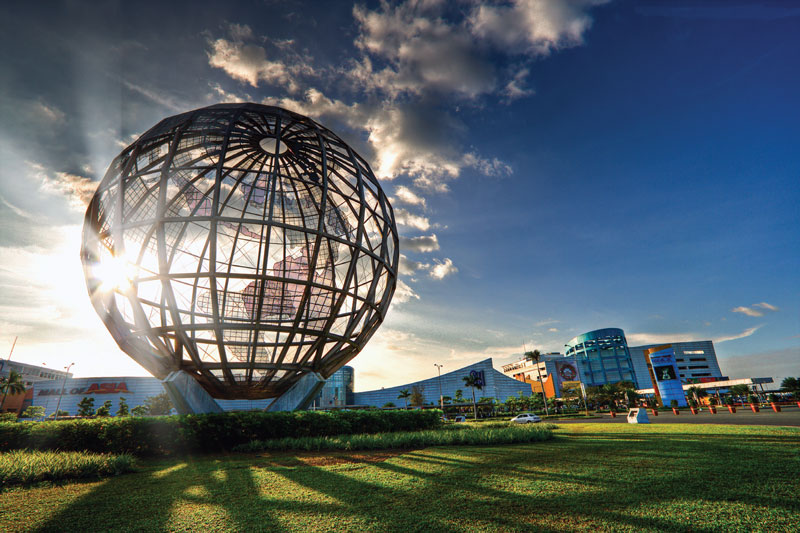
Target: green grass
<point x="590" y="477"/>
<point x="460" y="435"/>
<point x="26" y="466"/>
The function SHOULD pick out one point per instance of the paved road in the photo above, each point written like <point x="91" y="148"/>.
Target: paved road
<point x="789" y="416"/>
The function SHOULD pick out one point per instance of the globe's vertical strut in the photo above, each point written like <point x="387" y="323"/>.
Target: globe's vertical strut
<point x="258" y="247"/>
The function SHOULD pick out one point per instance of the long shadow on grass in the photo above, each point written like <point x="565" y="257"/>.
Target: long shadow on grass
<point x="380" y="506"/>
<point x="148" y="501"/>
<point x="608" y="497"/>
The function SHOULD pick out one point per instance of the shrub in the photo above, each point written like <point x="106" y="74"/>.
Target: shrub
<point x="33" y="411"/>
<point x="25" y="466"/>
<point x="8" y="417"/>
<point x="453" y="435"/>
<point x="203" y="433"/>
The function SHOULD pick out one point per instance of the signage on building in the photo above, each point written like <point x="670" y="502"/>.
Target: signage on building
<point x="664" y="374"/>
<point x="93" y="388"/>
<point x="480" y="379"/>
<point x="567" y="371"/>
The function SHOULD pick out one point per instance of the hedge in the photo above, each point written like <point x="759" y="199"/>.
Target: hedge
<point x="216" y="432"/>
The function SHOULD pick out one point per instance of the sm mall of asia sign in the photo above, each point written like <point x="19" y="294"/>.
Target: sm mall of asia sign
<point x="93" y="388"/>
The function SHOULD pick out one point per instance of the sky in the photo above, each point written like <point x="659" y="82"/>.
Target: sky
<point x="555" y="166"/>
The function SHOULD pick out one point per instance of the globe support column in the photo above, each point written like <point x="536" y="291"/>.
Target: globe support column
<point x="300" y="395"/>
<point x="187" y="395"/>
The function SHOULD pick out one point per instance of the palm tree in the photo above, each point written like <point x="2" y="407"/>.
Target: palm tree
<point x="534" y="357"/>
<point x="791" y="385"/>
<point x="12" y="384"/>
<point x="740" y="390"/>
<point x="696" y="393"/>
<point x="473" y="382"/>
<point x="404" y="395"/>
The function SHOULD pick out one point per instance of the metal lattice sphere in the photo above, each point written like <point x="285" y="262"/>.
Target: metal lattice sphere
<point x="244" y="244"/>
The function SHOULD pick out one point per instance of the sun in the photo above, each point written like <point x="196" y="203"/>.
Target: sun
<point x="115" y="273"/>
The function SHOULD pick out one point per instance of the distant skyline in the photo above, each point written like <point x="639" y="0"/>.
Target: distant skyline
<point x="555" y="166"/>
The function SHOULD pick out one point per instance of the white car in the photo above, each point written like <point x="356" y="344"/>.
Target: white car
<point x="526" y="418"/>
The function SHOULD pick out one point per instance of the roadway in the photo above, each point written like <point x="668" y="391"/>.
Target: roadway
<point x="789" y="416"/>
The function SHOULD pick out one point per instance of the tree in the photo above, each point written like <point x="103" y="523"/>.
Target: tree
<point x="447" y="400"/>
<point x="791" y="385"/>
<point x="696" y="393"/>
<point x="534" y="357"/>
<point x="105" y="409"/>
<point x="139" y="410"/>
<point x="417" y="396"/>
<point x="404" y="395"/>
<point x="12" y="384"/>
<point x="86" y="407"/>
<point x="389" y="404"/>
<point x="459" y="395"/>
<point x="473" y="382"/>
<point x="159" y="404"/>
<point x="61" y="413"/>
<point x="33" y="411"/>
<point x="740" y="390"/>
<point x="123" y="407"/>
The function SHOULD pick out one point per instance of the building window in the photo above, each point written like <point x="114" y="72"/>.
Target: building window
<point x="698" y="366"/>
<point x="697" y="359"/>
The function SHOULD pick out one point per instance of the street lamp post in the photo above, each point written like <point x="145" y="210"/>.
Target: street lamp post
<point x="441" y="398"/>
<point x="64" y="384"/>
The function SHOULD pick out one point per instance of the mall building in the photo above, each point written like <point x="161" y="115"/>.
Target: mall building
<point x="603" y="356"/>
<point x="337" y="392"/>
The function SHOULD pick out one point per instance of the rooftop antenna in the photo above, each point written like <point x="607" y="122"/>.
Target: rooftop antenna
<point x="12" y="348"/>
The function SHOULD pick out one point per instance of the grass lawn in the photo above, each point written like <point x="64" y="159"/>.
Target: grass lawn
<point x="590" y="477"/>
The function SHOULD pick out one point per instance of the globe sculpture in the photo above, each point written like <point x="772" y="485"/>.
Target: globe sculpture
<point x="243" y="244"/>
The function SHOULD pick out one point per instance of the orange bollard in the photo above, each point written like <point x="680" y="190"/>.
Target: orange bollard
<point x="654" y="411"/>
<point x="776" y="407"/>
<point x="675" y="410"/>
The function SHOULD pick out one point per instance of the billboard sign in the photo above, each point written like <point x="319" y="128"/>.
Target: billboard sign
<point x="665" y="375"/>
<point x="567" y="371"/>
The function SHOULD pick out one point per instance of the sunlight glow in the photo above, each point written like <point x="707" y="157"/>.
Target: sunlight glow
<point x="115" y="273"/>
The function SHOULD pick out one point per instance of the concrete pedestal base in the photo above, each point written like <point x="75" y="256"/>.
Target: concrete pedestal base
<point x="300" y="395"/>
<point x="187" y="395"/>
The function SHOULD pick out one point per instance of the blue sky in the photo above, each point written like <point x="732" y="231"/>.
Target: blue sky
<point x="557" y="166"/>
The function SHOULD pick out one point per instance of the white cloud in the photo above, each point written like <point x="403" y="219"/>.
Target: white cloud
<point x="515" y="88"/>
<point x="635" y="339"/>
<point x="765" y="305"/>
<point x="546" y="322"/>
<point x="410" y="267"/>
<point x="424" y="52"/>
<point x="403" y="293"/>
<point x="536" y="27"/>
<point x="247" y="62"/>
<point x="751" y="311"/>
<point x="552" y="330"/>
<point x="405" y="218"/>
<point x="743" y="334"/>
<point x="405" y="195"/>
<point x="441" y="270"/>
<point x="49" y="112"/>
<point x="77" y="189"/>
<point x="423" y="244"/>
<point x="747" y="311"/>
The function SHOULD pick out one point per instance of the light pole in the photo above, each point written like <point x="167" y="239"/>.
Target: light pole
<point x="64" y="384"/>
<point x="441" y="398"/>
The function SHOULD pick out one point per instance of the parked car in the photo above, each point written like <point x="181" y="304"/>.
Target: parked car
<point x="526" y="418"/>
<point x="460" y="418"/>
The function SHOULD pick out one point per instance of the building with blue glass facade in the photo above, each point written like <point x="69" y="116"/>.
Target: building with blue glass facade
<point x="603" y="357"/>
